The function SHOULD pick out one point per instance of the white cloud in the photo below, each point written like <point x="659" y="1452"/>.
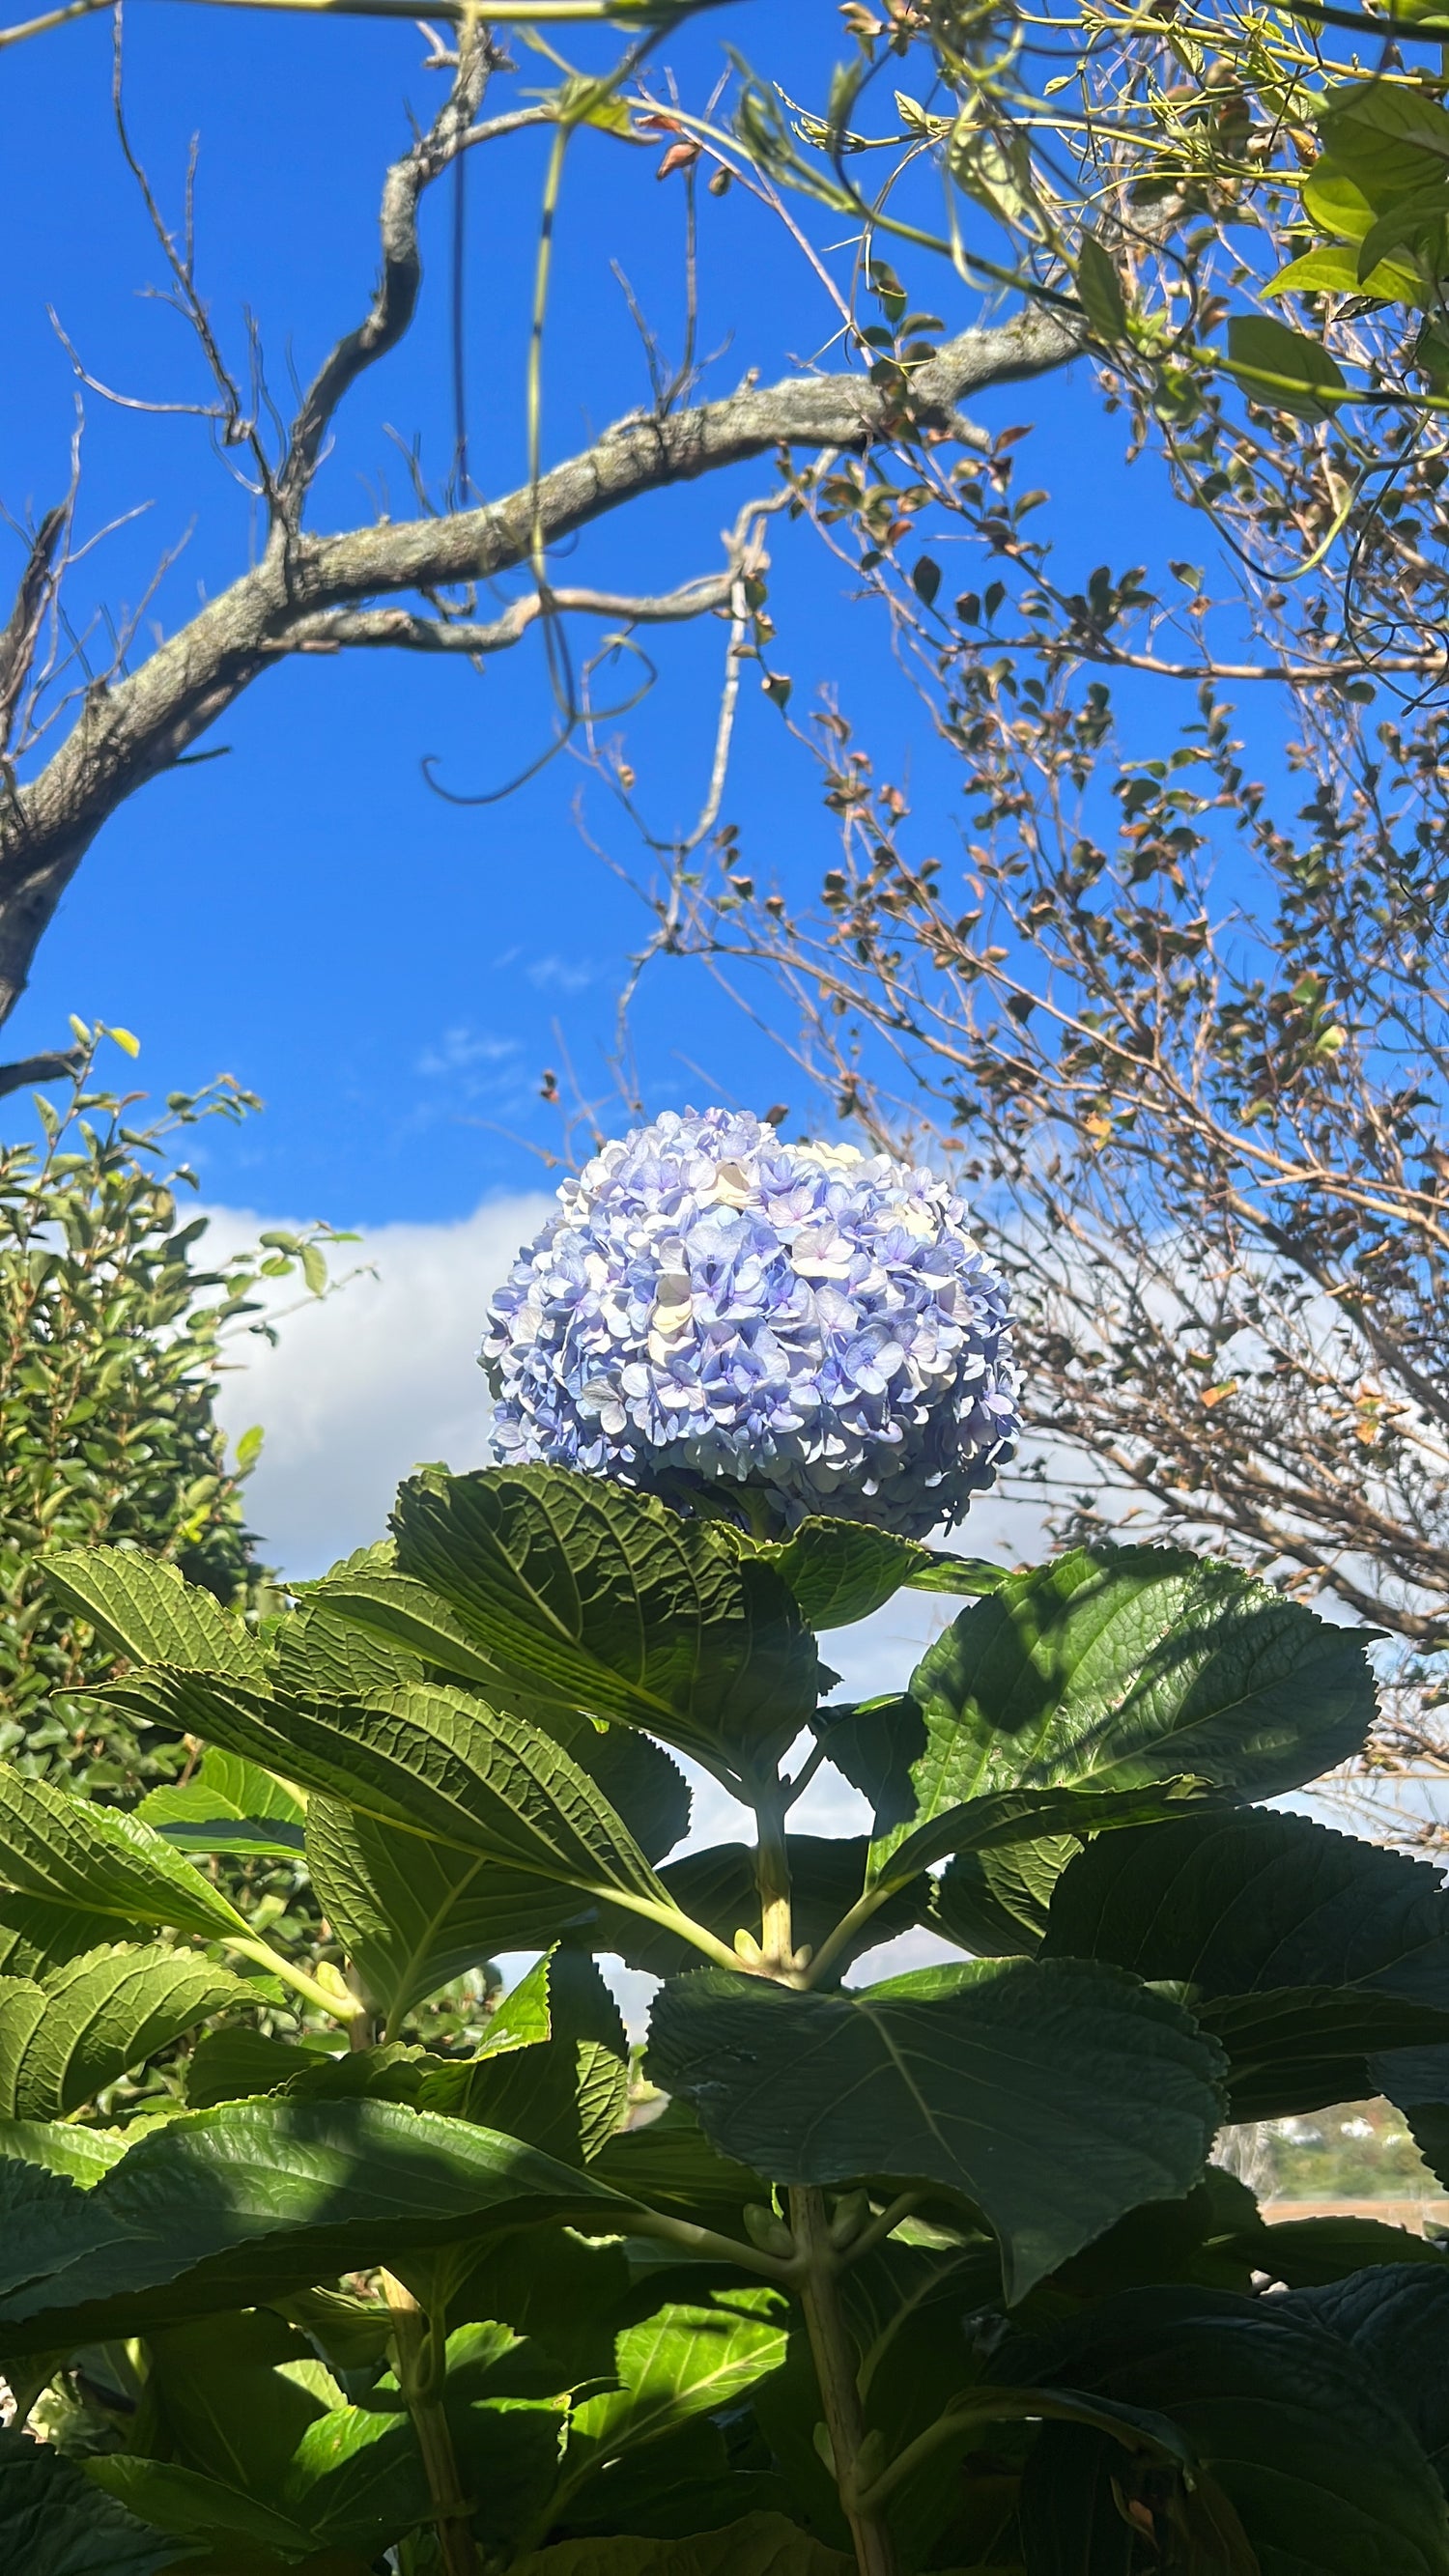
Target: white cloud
<point x="360" y="1388"/>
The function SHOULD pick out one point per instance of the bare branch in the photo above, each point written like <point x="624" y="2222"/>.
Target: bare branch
<point x="22" y="630"/>
<point x="40" y="1068"/>
<point x="131" y="731"/>
<point x="400" y="626"/>
<point x="395" y="299"/>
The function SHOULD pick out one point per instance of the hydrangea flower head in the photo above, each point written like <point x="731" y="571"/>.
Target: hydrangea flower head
<point x="711" y="1302"/>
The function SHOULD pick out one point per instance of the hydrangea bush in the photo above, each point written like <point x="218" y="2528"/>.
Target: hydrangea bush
<point x="858" y="2274"/>
<point x="713" y="1302"/>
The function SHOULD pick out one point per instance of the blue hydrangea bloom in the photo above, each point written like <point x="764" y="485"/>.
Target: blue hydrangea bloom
<point x="712" y="1302"/>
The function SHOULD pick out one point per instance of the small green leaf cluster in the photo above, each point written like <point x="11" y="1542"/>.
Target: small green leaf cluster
<point x="922" y="2272"/>
<point x="113" y="1331"/>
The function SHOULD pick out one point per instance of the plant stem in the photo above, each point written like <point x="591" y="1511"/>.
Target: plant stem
<point x="772" y="1878"/>
<point x="420" y="2371"/>
<point x="833" y="2349"/>
<point x="342" y="2007"/>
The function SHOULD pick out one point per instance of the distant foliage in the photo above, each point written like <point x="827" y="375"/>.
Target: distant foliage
<point x="112" y="1339"/>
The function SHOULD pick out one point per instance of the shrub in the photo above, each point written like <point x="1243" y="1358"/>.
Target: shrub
<point x="918" y="2272"/>
<point x="113" y="1333"/>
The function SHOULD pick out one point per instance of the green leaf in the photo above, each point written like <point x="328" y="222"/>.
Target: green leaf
<point x="145" y="1610"/>
<point x="1052" y="2096"/>
<point x="1281" y="368"/>
<point x="413" y="1915"/>
<point x="1100" y="290"/>
<point x="228" y="1805"/>
<point x="1307" y="2046"/>
<point x="1116" y="1667"/>
<point x="670" y="2164"/>
<point x="1389" y="134"/>
<point x="996" y="1902"/>
<point x="1285" y="2421"/>
<point x="943" y="1572"/>
<point x="1336" y="202"/>
<point x="234" y="2064"/>
<point x="433" y="1760"/>
<point x="840" y="1571"/>
<point x="394" y="1613"/>
<point x="1306" y="2251"/>
<point x="679" y="2363"/>
<point x="1335" y="271"/>
<point x="36" y="1936"/>
<point x="321" y="1655"/>
<point x="193" y="2508"/>
<point x="94" y="2019"/>
<point x="764" y="2544"/>
<point x="77" y="1858"/>
<point x="1006" y="1817"/>
<point x="583" y="1596"/>
<point x="250" y="2201"/>
<point x="1250" y="1903"/>
<point x="1396" y="2318"/>
<point x="52" y="2523"/>
<point x="563" y="2083"/>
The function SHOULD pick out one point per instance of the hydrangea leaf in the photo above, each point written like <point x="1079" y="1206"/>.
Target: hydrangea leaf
<point x="96" y="2017"/>
<point x="1111" y="1669"/>
<point x="764" y="2544"/>
<point x="322" y="1655"/>
<point x="233" y="2064"/>
<point x="558" y="2075"/>
<point x="247" y="2202"/>
<point x="414" y="1914"/>
<point x="431" y="1759"/>
<point x="1053" y="2096"/>
<point x="996" y="1902"/>
<point x="147" y="1611"/>
<point x="1304" y="2047"/>
<point x="228" y="1805"/>
<point x="840" y="1571"/>
<point x="399" y="1614"/>
<point x="1317" y="2465"/>
<point x="1304" y="1948"/>
<point x="198" y="2510"/>
<point x="67" y="1857"/>
<point x="669" y="2163"/>
<point x="673" y="2366"/>
<point x="585" y="1597"/>
<point x="1249" y="1903"/>
<point x="1396" y="2318"/>
<point x="53" y="2522"/>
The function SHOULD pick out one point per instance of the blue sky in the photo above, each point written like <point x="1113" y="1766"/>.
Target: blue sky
<point x="389" y="970"/>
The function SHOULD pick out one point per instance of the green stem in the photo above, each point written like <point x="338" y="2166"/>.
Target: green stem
<point x="341" y="2008"/>
<point x="673" y="1921"/>
<point x="772" y="1878"/>
<point x="833" y="2349"/>
<point x="709" y="2244"/>
<point x="1017" y="2406"/>
<point x="846" y="1929"/>
<point x="421" y="2368"/>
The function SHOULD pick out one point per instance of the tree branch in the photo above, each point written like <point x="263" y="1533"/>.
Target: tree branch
<point x="39" y="1068"/>
<point x="22" y="629"/>
<point x="130" y="731"/>
<point x="395" y="298"/>
<point x="402" y="626"/>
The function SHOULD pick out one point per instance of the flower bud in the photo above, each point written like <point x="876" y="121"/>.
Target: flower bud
<point x="767" y="2231"/>
<point x="848" y="2218"/>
